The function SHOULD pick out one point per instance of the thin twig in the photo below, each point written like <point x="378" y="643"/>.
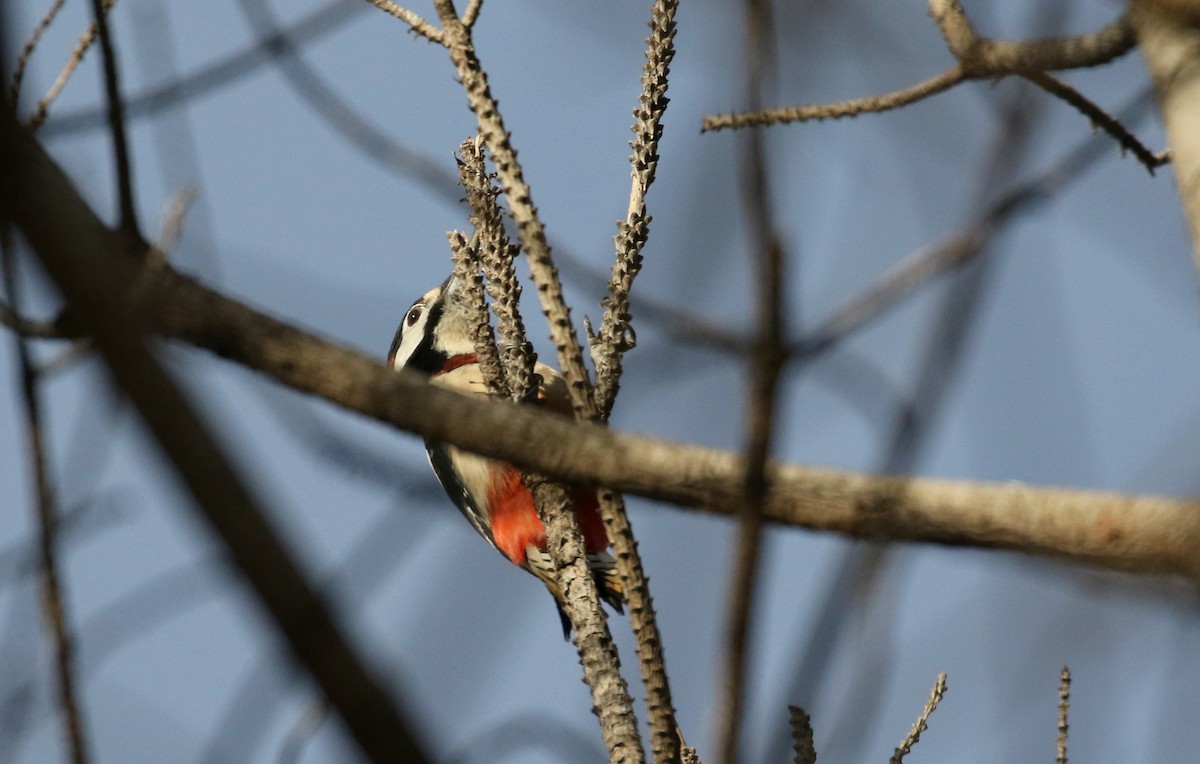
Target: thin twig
<point x="81" y="47"/>
<point x="614" y="338"/>
<point x="978" y="58"/>
<point x="766" y="363"/>
<point x="852" y="108"/>
<point x="1099" y="118"/>
<point x="1064" y="705"/>
<point x="418" y="24"/>
<point x="53" y="602"/>
<point x="30" y="45"/>
<point x="802" y="736"/>
<point x="128" y="222"/>
<point x="922" y="724"/>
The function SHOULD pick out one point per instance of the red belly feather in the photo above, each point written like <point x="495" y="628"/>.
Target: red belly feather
<point x="516" y="525"/>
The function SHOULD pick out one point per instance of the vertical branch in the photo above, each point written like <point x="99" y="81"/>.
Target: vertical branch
<point x="466" y="268"/>
<point x="597" y="652"/>
<point x="802" y="736"/>
<point x="581" y="603"/>
<point x="607" y="351"/>
<point x="520" y="201"/>
<point x="53" y="607"/>
<point x="632" y="232"/>
<point x="116" y="119"/>
<point x="496" y="256"/>
<point x="767" y="358"/>
<point x="1064" y="704"/>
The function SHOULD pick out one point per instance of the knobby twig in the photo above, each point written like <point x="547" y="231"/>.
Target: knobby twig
<point x="53" y="602"/>
<point x="530" y="230"/>
<point x="30" y="45"/>
<point x="496" y="257"/>
<point x="81" y="47"/>
<point x="616" y="336"/>
<point x="837" y="110"/>
<point x="418" y="24"/>
<point x="922" y="724"/>
<point x="982" y="58"/>
<point x="615" y="333"/>
<point x="564" y="541"/>
<point x="94" y="273"/>
<point x="128" y="222"/>
<point x="766" y="363"/>
<point x="1064" y="705"/>
<point x="1100" y="118"/>
<point x="802" y="736"/>
<point x="466" y="268"/>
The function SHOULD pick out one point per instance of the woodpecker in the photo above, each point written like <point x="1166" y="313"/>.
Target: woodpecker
<point x="435" y="339"/>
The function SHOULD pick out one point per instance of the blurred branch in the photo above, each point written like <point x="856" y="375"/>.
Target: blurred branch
<point x="81" y="47"/>
<point x="128" y="222"/>
<point x="914" y="735"/>
<point x="30" y="45"/>
<point x="49" y="578"/>
<point x="25" y="327"/>
<point x="1168" y="35"/>
<point x="85" y="259"/>
<point x="766" y="361"/>
<point x="1135" y="533"/>
<point x="982" y="58"/>
<point x="284" y="47"/>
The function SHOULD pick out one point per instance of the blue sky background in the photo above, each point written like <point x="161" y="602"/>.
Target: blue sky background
<point x="1080" y="369"/>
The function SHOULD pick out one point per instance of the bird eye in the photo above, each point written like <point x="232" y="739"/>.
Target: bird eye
<point x="413" y="316"/>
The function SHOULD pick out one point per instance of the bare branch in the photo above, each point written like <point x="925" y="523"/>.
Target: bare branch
<point x="922" y="724"/>
<point x="531" y="231"/>
<point x="1143" y="534"/>
<point x="981" y="58"/>
<point x="614" y="338"/>
<point x="766" y="363"/>
<point x="85" y="41"/>
<point x="44" y="330"/>
<point x="802" y="736"/>
<point x="418" y="24"/>
<point x="466" y="268"/>
<point x="581" y="602"/>
<point x="852" y="108"/>
<point x="1099" y="118"/>
<point x="53" y="603"/>
<point x="496" y="257"/>
<point x="1064" y="705"/>
<point x="96" y="278"/>
<point x="30" y="45"/>
<point x="128" y="221"/>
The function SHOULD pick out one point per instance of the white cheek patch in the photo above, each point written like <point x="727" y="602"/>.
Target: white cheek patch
<point x="410" y="340"/>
